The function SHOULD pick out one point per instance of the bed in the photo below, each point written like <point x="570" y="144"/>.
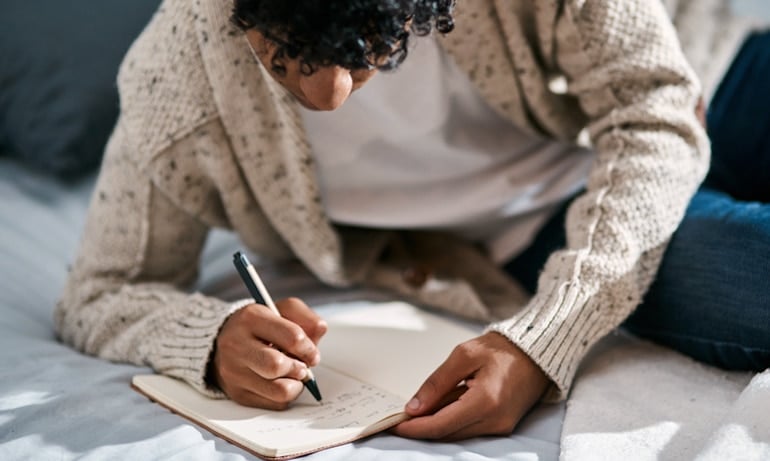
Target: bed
<point x="56" y="403"/>
<point x="631" y="399"/>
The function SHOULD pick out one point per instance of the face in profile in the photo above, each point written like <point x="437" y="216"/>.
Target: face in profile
<point x="323" y="88"/>
<point x="322" y="52"/>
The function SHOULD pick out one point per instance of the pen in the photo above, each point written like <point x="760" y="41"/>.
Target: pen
<point x="259" y="293"/>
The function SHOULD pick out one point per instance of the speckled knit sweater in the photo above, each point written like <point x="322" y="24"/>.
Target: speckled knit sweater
<point x="206" y="139"/>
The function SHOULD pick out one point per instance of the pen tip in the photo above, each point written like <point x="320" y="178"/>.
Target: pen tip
<point x="312" y="386"/>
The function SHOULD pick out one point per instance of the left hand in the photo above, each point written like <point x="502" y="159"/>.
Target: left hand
<point x="501" y="384"/>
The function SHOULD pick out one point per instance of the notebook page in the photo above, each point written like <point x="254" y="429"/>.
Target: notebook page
<point x="349" y="410"/>
<point x="394" y="346"/>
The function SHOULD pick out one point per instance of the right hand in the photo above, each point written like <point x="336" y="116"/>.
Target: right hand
<point x="260" y="359"/>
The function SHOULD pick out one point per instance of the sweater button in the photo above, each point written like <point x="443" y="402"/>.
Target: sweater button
<point x="416" y="276"/>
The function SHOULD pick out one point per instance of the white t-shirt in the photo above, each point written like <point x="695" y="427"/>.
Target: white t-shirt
<point x="418" y="148"/>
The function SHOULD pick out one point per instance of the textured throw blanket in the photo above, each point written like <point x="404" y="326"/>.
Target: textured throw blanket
<point x="634" y="400"/>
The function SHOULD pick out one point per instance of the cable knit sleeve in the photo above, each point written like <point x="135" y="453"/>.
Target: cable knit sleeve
<point x="622" y="61"/>
<point x="125" y="297"/>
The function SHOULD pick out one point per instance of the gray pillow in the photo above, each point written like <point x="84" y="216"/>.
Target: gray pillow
<point x="58" y="67"/>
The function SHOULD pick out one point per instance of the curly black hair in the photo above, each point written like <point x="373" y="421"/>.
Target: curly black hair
<point x="354" y="34"/>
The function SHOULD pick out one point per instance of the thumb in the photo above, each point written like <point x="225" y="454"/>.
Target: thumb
<point x="443" y="381"/>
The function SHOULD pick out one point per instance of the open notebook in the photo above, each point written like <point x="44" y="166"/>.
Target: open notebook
<point x="373" y="360"/>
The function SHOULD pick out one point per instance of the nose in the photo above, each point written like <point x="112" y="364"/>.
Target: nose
<point x="328" y="87"/>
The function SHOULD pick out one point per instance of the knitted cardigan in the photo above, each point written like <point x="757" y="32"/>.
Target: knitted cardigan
<point x="207" y="139"/>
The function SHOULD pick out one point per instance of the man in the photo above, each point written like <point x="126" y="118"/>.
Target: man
<point x="433" y="182"/>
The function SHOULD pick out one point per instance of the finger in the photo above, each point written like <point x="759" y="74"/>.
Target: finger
<point x="281" y="333"/>
<point x="451" y="396"/>
<point x="272" y="395"/>
<point x="456" y="368"/>
<point x="270" y="363"/>
<point x="476" y="429"/>
<point x="250" y="399"/>
<point x="297" y="311"/>
<point x="462" y="413"/>
<point x="237" y="346"/>
<point x="498" y="423"/>
<point x="235" y="378"/>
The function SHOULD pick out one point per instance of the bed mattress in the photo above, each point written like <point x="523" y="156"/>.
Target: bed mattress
<point x="56" y="403"/>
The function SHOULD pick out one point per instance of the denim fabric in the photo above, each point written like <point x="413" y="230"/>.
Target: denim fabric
<point x="711" y="297"/>
<point x="739" y="124"/>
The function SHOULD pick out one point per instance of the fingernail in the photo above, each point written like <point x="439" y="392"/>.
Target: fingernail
<point x="413" y="404"/>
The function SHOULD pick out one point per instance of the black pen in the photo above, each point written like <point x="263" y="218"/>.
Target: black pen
<point x="259" y="292"/>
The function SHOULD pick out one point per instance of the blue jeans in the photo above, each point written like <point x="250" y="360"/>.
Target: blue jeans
<point x="711" y="297"/>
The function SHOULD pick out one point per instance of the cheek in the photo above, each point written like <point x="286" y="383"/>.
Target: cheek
<point x="360" y="77"/>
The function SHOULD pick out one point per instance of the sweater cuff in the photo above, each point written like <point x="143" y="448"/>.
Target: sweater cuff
<point x="188" y="356"/>
<point x="555" y="330"/>
<point x="238" y="305"/>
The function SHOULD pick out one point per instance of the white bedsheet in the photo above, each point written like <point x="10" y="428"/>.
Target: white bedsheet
<point x="634" y="400"/>
<point x="56" y="403"/>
